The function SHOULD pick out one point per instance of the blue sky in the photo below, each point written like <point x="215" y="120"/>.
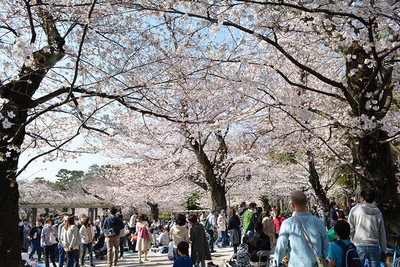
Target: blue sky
<point x="48" y="170"/>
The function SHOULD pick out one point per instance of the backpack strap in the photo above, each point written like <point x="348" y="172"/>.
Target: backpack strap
<point x="208" y="223"/>
<point x="341" y="244"/>
<point x="345" y="249"/>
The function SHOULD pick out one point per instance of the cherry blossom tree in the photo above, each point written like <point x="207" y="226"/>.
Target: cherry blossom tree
<point x="318" y="79"/>
<point x="64" y="65"/>
<point x="346" y="52"/>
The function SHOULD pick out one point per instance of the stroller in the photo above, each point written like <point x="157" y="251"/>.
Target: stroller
<point x="100" y="248"/>
<point x="242" y="258"/>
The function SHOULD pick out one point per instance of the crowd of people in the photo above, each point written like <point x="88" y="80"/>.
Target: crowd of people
<point x="65" y="241"/>
<point x="295" y="239"/>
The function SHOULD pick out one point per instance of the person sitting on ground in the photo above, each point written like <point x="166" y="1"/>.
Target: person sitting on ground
<point x="183" y="260"/>
<point x="163" y="239"/>
<point x="336" y="254"/>
<point x="257" y="242"/>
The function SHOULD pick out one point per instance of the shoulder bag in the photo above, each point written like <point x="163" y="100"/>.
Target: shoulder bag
<point x="321" y="262"/>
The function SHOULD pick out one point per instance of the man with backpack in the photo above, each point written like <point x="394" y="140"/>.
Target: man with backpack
<point x="211" y="225"/>
<point x="367" y="229"/>
<point x="343" y="253"/>
<point x="111" y="229"/>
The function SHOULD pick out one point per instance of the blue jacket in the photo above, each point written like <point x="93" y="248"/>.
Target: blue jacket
<point x="291" y="239"/>
<point x="115" y="223"/>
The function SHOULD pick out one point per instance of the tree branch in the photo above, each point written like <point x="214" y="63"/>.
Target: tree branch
<point x="28" y="8"/>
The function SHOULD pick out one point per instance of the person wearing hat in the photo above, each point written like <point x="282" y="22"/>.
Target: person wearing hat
<point x="221" y="227"/>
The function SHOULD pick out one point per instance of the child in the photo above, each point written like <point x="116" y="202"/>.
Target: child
<point x="183" y="260"/>
<point x="336" y="253"/>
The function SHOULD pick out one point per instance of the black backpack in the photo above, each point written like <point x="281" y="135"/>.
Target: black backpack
<point x="350" y="255"/>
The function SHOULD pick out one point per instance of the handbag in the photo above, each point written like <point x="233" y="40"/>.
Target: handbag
<point x="321" y="262"/>
<point x="171" y="255"/>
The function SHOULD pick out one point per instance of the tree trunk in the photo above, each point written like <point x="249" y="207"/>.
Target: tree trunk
<point x="218" y="197"/>
<point x="215" y="183"/>
<point x="34" y="216"/>
<point x="10" y="249"/>
<point x="265" y="203"/>
<point x="315" y="181"/>
<point x="28" y="213"/>
<point x="155" y="212"/>
<point x="12" y="136"/>
<point x="371" y="92"/>
<point x="379" y="173"/>
<point x="17" y="96"/>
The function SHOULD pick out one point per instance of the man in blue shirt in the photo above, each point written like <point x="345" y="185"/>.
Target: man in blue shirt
<point x="111" y="229"/>
<point x="291" y="240"/>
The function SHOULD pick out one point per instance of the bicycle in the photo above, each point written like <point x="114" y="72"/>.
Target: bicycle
<point x="395" y="251"/>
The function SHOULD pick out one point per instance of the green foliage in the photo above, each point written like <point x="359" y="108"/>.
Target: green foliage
<point x="164" y="216"/>
<point x="345" y="177"/>
<point x="67" y="177"/>
<point x="396" y="143"/>
<point x="286" y="157"/>
<point x="192" y="202"/>
<point x="40" y="180"/>
<point x="97" y="172"/>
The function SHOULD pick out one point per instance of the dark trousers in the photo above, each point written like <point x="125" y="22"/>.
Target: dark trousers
<point x="50" y="252"/>
<point x="73" y="258"/>
<point x="122" y="241"/>
<point x="211" y="240"/>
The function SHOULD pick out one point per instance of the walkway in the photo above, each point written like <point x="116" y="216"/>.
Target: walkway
<point x="155" y="259"/>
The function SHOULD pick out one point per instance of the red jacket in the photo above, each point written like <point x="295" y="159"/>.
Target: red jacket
<point x="278" y="222"/>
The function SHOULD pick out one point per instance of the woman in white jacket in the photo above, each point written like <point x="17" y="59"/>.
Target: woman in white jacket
<point x="71" y="239"/>
<point x="87" y="235"/>
<point x="179" y="233"/>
